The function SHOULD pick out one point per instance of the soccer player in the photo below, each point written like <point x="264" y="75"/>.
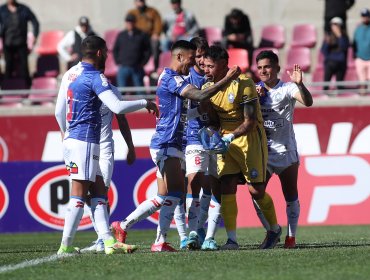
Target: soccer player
<point x="87" y="88"/>
<point x="241" y="125"/>
<point x="166" y="144"/>
<point x="277" y="100"/>
<point x="201" y="168"/>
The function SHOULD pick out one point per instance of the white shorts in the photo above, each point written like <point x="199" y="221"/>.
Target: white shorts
<point x="277" y="163"/>
<point x="160" y="155"/>
<point x="106" y="164"/>
<point x="198" y="160"/>
<point x="81" y="159"/>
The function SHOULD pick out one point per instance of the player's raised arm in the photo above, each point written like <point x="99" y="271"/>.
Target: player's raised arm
<point x="303" y="95"/>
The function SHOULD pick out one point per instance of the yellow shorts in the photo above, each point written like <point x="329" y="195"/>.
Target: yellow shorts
<point x="246" y="155"/>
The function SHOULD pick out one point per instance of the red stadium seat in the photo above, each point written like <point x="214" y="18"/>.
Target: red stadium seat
<point x="300" y="56"/>
<point x="239" y="57"/>
<point x="47" y="66"/>
<point x="49" y="41"/>
<point x="49" y="86"/>
<point x="304" y="35"/>
<point x="213" y="34"/>
<point x="111" y="67"/>
<point x="255" y="53"/>
<point x="110" y="38"/>
<point x="273" y="36"/>
<point x="164" y="61"/>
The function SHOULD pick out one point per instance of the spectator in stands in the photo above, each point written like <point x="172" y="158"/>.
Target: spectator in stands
<point x="69" y="48"/>
<point x="334" y="49"/>
<point x="361" y="49"/>
<point x="336" y="8"/>
<point x="237" y="32"/>
<point x="149" y="21"/>
<point x="14" y="18"/>
<point x="131" y="52"/>
<point x="178" y="25"/>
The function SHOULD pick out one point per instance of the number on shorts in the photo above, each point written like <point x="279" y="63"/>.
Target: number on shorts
<point x="197" y="160"/>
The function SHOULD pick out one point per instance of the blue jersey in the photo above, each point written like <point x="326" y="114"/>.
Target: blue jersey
<point x="84" y="104"/>
<point x="194" y="125"/>
<point x="172" y="107"/>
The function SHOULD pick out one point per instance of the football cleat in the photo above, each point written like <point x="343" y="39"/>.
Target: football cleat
<point x="112" y="246"/>
<point x="183" y="243"/>
<point x="210" y="245"/>
<point x="290" y="242"/>
<point x="68" y="250"/>
<point x="162" y="247"/>
<point x="230" y="245"/>
<point x="201" y="235"/>
<point x="119" y="233"/>
<point x="100" y="246"/>
<point x="193" y="241"/>
<point x="271" y="239"/>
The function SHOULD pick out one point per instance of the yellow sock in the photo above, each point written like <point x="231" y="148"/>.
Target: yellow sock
<point x="229" y="211"/>
<point x="268" y="209"/>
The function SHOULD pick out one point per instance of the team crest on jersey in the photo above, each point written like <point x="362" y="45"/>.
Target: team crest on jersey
<point x="104" y="80"/>
<point x="254" y="173"/>
<point x="277" y="97"/>
<point x="72" y="168"/>
<point x="179" y="80"/>
<point x="231" y="97"/>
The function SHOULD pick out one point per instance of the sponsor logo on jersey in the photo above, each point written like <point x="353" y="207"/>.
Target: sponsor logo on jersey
<point x="104" y="80"/>
<point x="231" y="97"/>
<point x="47" y="197"/>
<point x="179" y="81"/>
<point x="3" y="150"/>
<point x="4" y="199"/>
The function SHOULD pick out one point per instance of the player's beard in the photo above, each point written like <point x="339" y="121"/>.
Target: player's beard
<point x="210" y="78"/>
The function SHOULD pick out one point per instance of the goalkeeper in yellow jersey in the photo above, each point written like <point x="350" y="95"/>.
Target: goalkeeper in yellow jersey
<point x="241" y="125"/>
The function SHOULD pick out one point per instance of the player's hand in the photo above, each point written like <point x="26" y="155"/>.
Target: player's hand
<point x="233" y="72"/>
<point x="260" y="90"/>
<point x="152" y="108"/>
<point x="227" y="139"/>
<point x="131" y="155"/>
<point x="296" y="76"/>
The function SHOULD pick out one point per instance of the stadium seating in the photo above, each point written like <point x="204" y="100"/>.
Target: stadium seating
<point x="300" y="56"/>
<point x="13" y="100"/>
<point x="47" y="66"/>
<point x="48" y="85"/>
<point x="304" y="35"/>
<point x="272" y="36"/>
<point x="213" y="35"/>
<point x="239" y="57"/>
<point x="48" y="42"/>
<point x="110" y="37"/>
<point x="255" y="53"/>
<point x="164" y="61"/>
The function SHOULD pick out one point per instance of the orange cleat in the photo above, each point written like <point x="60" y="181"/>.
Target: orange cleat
<point x="290" y="242"/>
<point x="162" y="247"/>
<point x="119" y="233"/>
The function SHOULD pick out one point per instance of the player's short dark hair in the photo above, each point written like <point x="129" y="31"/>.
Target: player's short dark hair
<point x="91" y="44"/>
<point x="200" y="42"/>
<point x="183" y="45"/>
<point x="274" y="59"/>
<point x="217" y="53"/>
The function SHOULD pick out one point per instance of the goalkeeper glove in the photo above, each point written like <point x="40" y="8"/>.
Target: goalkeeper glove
<point x="228" y="138"/>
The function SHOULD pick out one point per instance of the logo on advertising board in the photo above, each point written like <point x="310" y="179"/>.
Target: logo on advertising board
<point x="4" y="199"/>
<point x="4" y="152"/>
<point x="145" y="188"/>
<point x="47" y="195"/>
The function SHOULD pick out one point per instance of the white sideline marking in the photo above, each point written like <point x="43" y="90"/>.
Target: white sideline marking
<point x="34" y="262"/>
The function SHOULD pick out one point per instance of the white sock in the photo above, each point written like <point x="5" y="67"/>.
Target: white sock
<point x="88" y="209"/>
<point x="260" y="215"/>
<point x="204" y="206"/>
<point x="144" y="210"/>
<point x="180" y="219"/>
<point x="165" y="218"/>
<point x="193" y="209"/>
<point x="293" y="210"/>
<point x="100" y="214"/>
<point x="214" y="214"/>
<point x="72" y="219"/>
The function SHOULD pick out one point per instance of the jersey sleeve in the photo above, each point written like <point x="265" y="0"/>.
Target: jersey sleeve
<point x="100" y="84"/>
<point x="249" y="91"/>
<point x="291" y="89"/>
<point x="177" y="84"/>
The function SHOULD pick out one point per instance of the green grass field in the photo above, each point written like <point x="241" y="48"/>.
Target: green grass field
<point x="337" y="252"/>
